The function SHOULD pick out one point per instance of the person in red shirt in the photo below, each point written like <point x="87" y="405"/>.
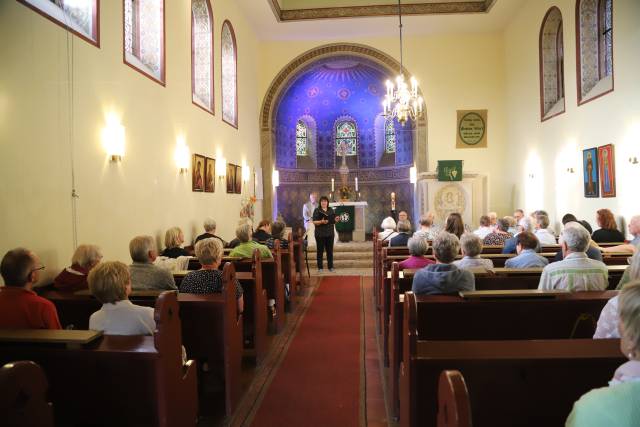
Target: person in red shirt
<point x="74" y="278"/>
<point x="20" y="307"/>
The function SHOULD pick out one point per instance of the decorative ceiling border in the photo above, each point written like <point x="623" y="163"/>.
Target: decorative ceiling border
<point x="285" y="15"/>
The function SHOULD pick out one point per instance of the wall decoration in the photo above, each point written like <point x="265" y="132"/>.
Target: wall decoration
<point x="197" y="168"/>
<point x="210" y="175"/>
<point x="471" y="131"/>
<point x="607" y="168"/>
<point x="590" y="167"/>
<point x="231" y="178"/>
<point x="238" y="181"/>
<point x="449" y="170"/>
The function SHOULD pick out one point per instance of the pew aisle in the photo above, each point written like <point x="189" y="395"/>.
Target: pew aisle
<point x="318" y="382"/>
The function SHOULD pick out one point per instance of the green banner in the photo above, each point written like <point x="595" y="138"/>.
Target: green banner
<point x="347" y="218"/>
<point x="449" y="170"/>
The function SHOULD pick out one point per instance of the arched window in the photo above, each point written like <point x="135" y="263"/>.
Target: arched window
<point x="144" y="37"/>
<point x="202" y="54"/>
<point x="347" y="137"/>
<point x="594" y="41"/>
<point x="551" y="65"/>
<point x="389" y="137"/>
<point x="229" y="75"/>
<point x="81" y="17"/>
<point x="301" y="139"/>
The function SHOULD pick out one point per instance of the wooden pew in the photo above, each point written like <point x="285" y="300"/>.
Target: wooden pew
<point x="289" y="269"/>
<point x="529" y="382"/>
<point x="23" y="395"/>
<point x="454" y="409"/>
<point x="210" y="325"/>
<point x="140" y="379"/>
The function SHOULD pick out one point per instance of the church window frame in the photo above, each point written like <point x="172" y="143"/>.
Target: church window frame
<point x="202" y="56"/>
<point x="143" y="28"/>
<point x="551" y="62"/>
<point x="348" y="136"/>
<point x="229" y="83"/>
<point x="390" y="140"/>
<point x="302" y="139"/>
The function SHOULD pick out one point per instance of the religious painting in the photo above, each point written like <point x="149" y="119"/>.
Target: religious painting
<point x="238" y="181"/>
<point x="210" y="175"/>
<point x="590" y="166"/>
<point x="472" y="129"/>
<point x="231" y="178"/>
<point x="197" y="169"/>
<point x="606" y="162"/>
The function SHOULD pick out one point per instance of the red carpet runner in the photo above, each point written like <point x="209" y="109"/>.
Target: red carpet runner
<point x="318" y="383"/>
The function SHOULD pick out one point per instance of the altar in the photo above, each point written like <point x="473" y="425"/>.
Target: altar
<point x="358" y="234"/>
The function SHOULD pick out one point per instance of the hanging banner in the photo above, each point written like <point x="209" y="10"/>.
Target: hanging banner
<point x="449" y="170"/>
<point x="347" y="215"/>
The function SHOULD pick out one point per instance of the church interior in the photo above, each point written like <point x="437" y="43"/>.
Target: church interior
<point x="415" y="212"/>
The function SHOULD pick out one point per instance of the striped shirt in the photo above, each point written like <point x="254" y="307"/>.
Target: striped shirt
<point x="576" y="272"/>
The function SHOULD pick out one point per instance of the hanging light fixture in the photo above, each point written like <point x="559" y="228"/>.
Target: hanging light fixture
<point x="402" y="102"/>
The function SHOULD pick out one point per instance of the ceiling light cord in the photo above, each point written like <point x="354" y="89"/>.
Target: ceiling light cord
<point x="400" y="27"/>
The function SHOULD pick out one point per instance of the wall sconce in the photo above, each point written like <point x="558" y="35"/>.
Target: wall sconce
<point x="221" y="167"/>
<point x="113" y="138"/>
<point x="246" y="173"/>
<point x="633" y="160"/>
<point x="275" y="178"/>
<point x="531" y="176"/>
<point x="570" y="170"/>
<point x="182" y="155"/>
<point x="413" y="175"/>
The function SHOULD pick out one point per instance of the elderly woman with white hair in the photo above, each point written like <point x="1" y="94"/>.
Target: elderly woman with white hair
<point x="74" y="278"/>
<point x="209" y="280"/>
<point x="618" y="404"/>
<point x="471" y="250"/>
<point x="418" y="248"/>
<point x="210" y="231"/>
<point x="388" y="229"/>
<point x="524" y="224"/>
<point x="245" y="248"/>
<point x="173" y="239"/>
<point x="443" y="277"/>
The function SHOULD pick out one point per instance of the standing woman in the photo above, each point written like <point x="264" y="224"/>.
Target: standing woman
<point x="324" y="219"/>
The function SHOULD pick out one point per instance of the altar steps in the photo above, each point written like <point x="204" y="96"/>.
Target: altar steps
<point x="347" y="256"/>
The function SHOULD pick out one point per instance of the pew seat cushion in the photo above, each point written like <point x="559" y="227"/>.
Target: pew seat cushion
<point x="206" y="282"/>
<point x="23" y="309"/>
<point x="442" y="279"/>
<point x="123" y="318"/>
<point x="617" y="405"/>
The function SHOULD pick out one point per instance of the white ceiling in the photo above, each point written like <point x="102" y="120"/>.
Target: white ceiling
<point x="263" y="20"/>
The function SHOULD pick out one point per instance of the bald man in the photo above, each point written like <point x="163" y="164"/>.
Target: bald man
<point x="632" y="246"/>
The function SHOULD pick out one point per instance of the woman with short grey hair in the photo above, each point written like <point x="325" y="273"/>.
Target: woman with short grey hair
<point x="471" y="250"/>
<point x="246" y="246"/>
<point x="499" y="235"/>
<point x="418" y="248"/>
<point x="74" y="278"/>
<point x="403" y="235"/>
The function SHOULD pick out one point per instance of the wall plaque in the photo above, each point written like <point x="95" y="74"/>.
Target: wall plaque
<point x="471" y="131"/>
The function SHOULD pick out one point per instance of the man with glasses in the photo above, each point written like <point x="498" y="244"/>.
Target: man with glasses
<point x="20" y="307"/>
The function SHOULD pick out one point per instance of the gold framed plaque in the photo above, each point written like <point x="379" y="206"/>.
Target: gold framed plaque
<point x="471" y="131"/>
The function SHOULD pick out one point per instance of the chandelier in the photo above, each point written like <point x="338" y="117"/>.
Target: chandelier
<point x="402" y="102"/>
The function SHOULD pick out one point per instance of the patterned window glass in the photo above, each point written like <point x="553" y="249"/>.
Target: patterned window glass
<point x="389" y="137"/>
<point x="560" y="47"/>
<point x="607" y="37"/>
<point x="347" y="137"/>
<point x="301" y="139"/>
<point x="144" y="36"/>
<point x="79" y="16"/>
<point x="229" y="75"/>
<point x="202" y="54"/>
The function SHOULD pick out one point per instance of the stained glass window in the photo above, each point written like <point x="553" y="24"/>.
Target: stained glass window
<point x="552" y="64"/>
<point x="301" y="139"/>
<point x="347" y="137"/>
<point x="389" y="137"/>
<point x="144" y="36"/>
<point x="202" y="54"/>
<point x="229" y="75"/>
<point x="78" y="16"/>
<point x="606" y="49"/>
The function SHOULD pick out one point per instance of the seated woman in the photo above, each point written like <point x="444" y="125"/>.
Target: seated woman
<point x="471" y="250"/>
<point x="173" y="238"/>
<point x="277" y="232"/>
<point x="427" y="228"/>
<point x="110" y="283"/>
<point x="608" y="231"/>
<point x="208" y="280"/>
<point x="263" y="232"/>
<point x="619" y="404"/>
<point x="74" y="278"/>
<point x="388" y="229"/>
<point x="418" y="248"/>
<point x="608" y="320"/>
<point x="246" y="246"/>
<point x="443" y="277"/>
<point x="403" y="235"/>
<point x="455" y="225"/>
<point x="499" y="235"/>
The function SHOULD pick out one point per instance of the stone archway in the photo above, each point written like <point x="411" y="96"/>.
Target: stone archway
<point x="283" y="80"/>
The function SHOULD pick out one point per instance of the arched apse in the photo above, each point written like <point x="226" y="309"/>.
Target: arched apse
<point x="381" y="66"/>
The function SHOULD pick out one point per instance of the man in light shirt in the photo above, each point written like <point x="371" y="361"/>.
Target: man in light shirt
<point x="485" y="227"/>
<point x="307" y="214"/>
<point x="518" y="214"/>
<point x="545" y="237"/>
<point x="632" y="246"/>
<point x="576" y="272"/>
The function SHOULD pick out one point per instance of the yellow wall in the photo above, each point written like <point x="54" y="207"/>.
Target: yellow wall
<point x="548" y="149"/>
<point x="455" y="72"/>
<point x="142" y="195"/>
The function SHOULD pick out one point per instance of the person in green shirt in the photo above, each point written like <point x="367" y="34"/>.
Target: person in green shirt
<point x="247" y="246"/>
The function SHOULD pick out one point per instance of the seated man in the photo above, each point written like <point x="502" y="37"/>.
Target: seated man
<point x="593" y="251"/>
<point x="277" y="233"/>
<point x="524" y="225"/>
<point x="403" y="216"/>
<point x="485" y="227"/>
<point x="20" y="307"/>
<point x="74" y="278"/>
<point x="576" y="272"/>
<point x="145" y="275"/>
<point x="545" y="237"/>
<point x="404" y="230"/>
<point x="632" y="246"/>
<point x="526" y="250"/>
<point x="518" y="214"/>
<point x="246" y="247"/>
<point x="471" y="250"/>
<point x="418" y="248"/>
<point x="263" y="233"/>
<point x="443" y="277"/>
<point x="209" y="231"/>
<point x="110" y="283"/>
<point x="499" y="235"/>
<point x="427" y="230"/>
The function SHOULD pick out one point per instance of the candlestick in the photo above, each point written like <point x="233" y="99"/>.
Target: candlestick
<point x="333" y="188"/>
<point x="356" y="183"/>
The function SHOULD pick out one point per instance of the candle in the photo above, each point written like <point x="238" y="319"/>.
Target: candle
<point x="356" y="183"/>
<point x="333" y="185"/>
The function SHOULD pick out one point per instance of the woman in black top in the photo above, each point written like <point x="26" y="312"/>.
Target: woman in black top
<point x="324" y="219"/>
<point x="608" y="232"/>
